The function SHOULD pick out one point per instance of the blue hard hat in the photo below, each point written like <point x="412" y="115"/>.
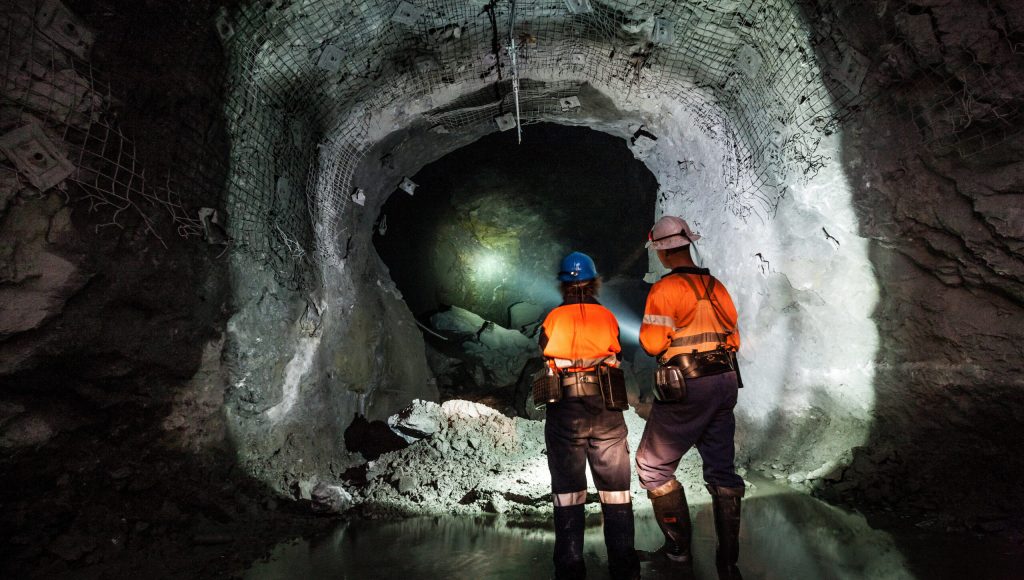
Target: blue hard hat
<point x="577" y="267"/>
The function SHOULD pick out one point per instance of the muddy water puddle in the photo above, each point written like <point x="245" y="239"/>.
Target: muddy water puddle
<point x="784" y="536"/>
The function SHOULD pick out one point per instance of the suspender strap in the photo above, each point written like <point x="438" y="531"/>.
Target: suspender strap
<point x="722" y="318"/>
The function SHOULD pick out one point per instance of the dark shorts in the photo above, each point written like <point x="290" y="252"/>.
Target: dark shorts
<point x="578" y="430"/>
<point x="705" y="420"/>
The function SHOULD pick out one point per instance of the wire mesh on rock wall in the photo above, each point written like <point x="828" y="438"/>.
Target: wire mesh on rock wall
<point x="777" y="83"/>
<point x="975" y="110"/>
<point x="307" y="76"/>
<point x="58" y="128"/>
<point x="325" y="65"/>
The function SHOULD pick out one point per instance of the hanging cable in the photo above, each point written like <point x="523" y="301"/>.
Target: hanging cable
<point x="515" y="69"/>
<point x="430" y="330"/>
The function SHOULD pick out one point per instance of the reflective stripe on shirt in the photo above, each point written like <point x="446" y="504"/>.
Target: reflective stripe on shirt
<point x="658" y="320"/>
<point x="587" y="363"/>
<point x="691" y="339"/>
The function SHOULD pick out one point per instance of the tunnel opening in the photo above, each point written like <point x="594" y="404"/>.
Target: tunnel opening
<point x="474" y="248"/>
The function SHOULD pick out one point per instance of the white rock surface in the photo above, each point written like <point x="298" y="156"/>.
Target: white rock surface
<point x="421" y="419"/>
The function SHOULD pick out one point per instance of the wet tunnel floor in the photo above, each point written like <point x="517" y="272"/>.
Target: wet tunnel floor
<point x="785" y="535"/>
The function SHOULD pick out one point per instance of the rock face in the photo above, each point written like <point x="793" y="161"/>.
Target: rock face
<point x="111" y="324"/>
<point x="89" y="313"/>
<point x="294" y="405"/>
<point x="943" y="220"/>
<point x="37" y="280"/>
<point x="496" y="356"/>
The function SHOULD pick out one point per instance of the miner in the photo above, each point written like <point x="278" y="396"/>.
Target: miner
<point x="689" y="324"/>
<point x="585" y="394"/>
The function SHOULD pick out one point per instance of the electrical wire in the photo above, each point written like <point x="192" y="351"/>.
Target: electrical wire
<point x="515" y="68"/>
<point x="430" y="330"/>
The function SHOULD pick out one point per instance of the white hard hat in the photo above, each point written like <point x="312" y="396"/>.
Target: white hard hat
<point x="670" y="232"/>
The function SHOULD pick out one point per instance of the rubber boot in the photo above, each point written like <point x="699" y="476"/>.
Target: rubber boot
<point x="673" y="517"/>
<point x="569" y="524"/>
<point x="623" y="562"/>
<point x="726" y="503"/>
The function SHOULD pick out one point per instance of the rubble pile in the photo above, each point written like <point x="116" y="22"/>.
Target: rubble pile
<point x="466" y="458"/>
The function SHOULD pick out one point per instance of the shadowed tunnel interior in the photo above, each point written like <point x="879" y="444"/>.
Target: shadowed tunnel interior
<point x="224" y="322"/>
<point x="488" y="223"/>
<point x="479" y="242"/>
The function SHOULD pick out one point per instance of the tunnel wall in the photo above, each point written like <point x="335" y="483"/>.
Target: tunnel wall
<point x="91" y="338"/>
<point x="112" y="303"/>
<point x="764" y="167"/>
<point x="937" y="194"/>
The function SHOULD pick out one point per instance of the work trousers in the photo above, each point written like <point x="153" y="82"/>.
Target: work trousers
<point x="578" y="430"/>
<point x="705" y="419"/>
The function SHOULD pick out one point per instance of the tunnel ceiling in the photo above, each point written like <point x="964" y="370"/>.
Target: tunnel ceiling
<point x="319" y="73"/>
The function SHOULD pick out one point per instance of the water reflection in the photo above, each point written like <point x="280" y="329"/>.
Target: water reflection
<point x="784" y="536"/>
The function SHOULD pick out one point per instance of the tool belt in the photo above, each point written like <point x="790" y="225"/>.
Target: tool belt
<point x="671" y="377"/>
<point x="704" y="364"/>
<point x="580" y="384"/>
<point x="609" y="382"/>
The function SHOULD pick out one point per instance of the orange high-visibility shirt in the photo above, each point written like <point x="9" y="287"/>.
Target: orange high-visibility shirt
<point x="581" y="336"/>
<point x="675" y="322"/>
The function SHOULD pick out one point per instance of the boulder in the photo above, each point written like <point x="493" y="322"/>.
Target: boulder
<point x="496" y="353"/>
<point x="306" y="487"/>
<point x="25" y="430"/>
<point x="457" y="321"/>
<point x="458" y="408"/>
<point x="524" y="314"/>
<point x="328" y="498"/>
<point x="35" y="282"/>
<point x="420" y="419"/>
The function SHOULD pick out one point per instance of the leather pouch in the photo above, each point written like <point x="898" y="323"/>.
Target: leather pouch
<point x="669" y="383"/>
<point x="613" y="387"/>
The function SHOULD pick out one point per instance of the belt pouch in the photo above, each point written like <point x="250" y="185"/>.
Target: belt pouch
<point x="704" y="364"/>
<point x="547" y="388"/>
<point x="669" y="384"/>
<point x="736" y="368"/>
<point x="613" y="387"/>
